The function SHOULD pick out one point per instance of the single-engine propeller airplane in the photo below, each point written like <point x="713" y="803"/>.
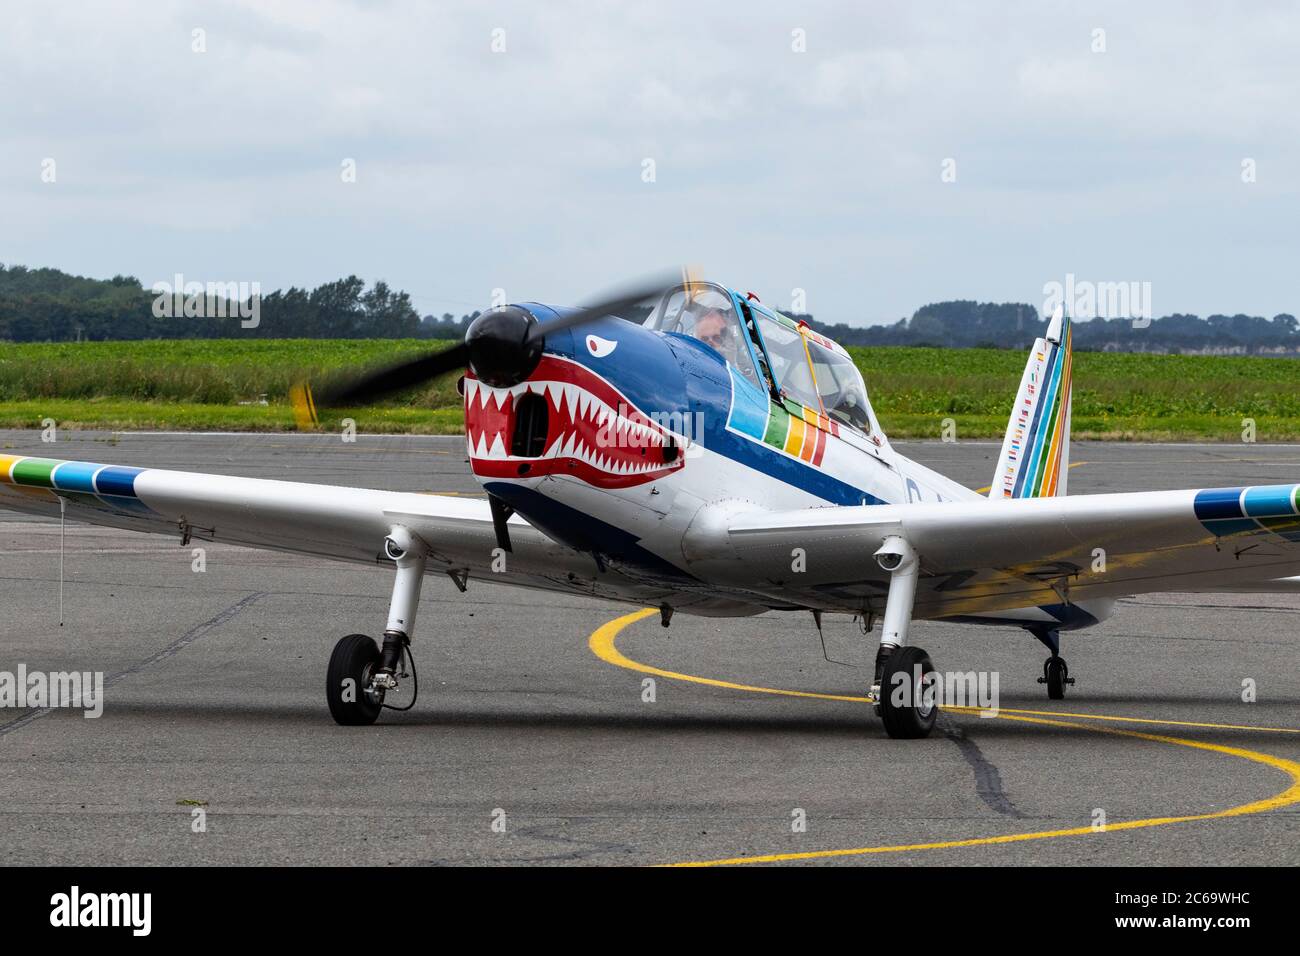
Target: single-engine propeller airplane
<point x="682" y="445"/>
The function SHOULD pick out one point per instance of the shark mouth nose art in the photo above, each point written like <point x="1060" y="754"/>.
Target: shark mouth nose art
<point x="565" y="420"/>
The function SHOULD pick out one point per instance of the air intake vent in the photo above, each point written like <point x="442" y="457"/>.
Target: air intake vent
<point x="529" y="437"/>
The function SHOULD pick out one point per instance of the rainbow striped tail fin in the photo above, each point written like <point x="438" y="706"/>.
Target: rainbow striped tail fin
<point x="1035" y="456"/>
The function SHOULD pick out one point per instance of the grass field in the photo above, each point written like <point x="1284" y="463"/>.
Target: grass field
<point x="221" y="384"/>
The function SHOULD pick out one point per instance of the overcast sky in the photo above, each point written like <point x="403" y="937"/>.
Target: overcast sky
<point x="773" y="169"/>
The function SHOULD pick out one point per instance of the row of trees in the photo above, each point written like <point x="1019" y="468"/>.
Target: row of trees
<point x="38" y="305"/>
<point x="49" y="305"/>
<point x="966" y="324"/>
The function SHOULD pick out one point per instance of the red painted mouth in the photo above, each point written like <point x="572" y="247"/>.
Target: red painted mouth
<point x="592" y="431"/>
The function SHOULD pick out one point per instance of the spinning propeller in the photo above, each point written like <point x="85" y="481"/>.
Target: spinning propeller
<point x="501" y="348"/>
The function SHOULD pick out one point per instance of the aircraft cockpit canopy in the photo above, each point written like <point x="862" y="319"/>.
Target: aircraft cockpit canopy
<point x="708" y="313"/>
<point x="806" y="367"/>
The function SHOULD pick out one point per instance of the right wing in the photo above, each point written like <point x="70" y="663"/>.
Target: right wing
<point x="320" y="520"/>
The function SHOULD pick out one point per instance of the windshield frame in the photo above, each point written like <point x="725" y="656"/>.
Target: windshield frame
<point x="833" y="357"/>
<point x="789" y="358"/>
<point x="790" y="391"/>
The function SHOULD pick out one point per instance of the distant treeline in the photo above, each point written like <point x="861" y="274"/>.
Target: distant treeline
<point x="967" y="324"/>
<point x="43" y="305"/>
<point x="46" y="305"/>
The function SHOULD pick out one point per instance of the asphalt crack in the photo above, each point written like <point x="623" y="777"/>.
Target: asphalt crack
<point x="175" y="647"/>
<point x="988" y="780"/>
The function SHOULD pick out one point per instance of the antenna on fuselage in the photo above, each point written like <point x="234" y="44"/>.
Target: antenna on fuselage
<point x="817" y="619"/>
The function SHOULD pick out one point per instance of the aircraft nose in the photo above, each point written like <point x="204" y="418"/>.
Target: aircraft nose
<point x="503" y="348"/>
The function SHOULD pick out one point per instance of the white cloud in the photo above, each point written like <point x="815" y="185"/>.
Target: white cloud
<point x="774" y="168"/>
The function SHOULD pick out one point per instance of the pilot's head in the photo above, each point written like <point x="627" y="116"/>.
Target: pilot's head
<point x="713" y="329"/>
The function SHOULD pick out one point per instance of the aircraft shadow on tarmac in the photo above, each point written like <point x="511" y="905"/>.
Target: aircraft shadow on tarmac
<point x="853" y="722"/>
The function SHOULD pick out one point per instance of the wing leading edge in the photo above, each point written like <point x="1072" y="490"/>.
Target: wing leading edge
<point x="320" y="520"/>
<point x="977" y="556"/>
<point x="340" y="523"/>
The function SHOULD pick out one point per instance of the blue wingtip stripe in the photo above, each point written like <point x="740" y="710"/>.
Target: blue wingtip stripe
<point x="75" y="476"/>
<point x="1216" y="503"/>
<point x="1225" y="511"/>
<point x="1270" y="501"/>
<point x="117" y="481"/>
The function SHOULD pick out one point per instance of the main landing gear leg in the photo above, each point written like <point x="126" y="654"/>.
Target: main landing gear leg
<point x="903" y="689"/>
<point x="1056" y="673"/>
<point x="360" y="673"/>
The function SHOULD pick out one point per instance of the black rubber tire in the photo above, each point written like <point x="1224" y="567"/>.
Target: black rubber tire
<point x="1055" y="671"/>
<point x="354" y="658"/>
<point x="906" y="721"/>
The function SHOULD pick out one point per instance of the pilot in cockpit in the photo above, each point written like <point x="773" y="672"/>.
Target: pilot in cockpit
<point x="707" y="314"/>
<point x="713" y="329"/>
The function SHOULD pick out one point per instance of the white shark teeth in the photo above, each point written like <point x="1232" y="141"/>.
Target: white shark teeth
<point x="608" y="439"/>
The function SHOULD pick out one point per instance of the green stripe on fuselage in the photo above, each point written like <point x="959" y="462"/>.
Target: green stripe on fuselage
<point x="778" y="426"/>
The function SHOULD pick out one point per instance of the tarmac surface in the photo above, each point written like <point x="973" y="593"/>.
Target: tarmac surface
<point x="533" y="742"/>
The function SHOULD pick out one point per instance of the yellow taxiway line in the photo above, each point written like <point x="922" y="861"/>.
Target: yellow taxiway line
<point x="602" y="644"/>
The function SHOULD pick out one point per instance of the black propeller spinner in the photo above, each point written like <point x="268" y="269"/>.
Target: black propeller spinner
<point x="502" y="349"/>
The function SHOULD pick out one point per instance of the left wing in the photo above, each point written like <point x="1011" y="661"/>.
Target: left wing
<point x="979" y="556"/>
<point x="1274" y="586"/>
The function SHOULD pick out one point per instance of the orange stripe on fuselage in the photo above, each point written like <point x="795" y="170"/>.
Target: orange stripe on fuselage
<point x="809" y="443"/>
<point x="810" y="434"/>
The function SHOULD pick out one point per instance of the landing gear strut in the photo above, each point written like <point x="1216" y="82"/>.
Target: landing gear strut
<point x="1056" y="673"/>
<point x="360" y="674"/>
<point x="904" y="685"/>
